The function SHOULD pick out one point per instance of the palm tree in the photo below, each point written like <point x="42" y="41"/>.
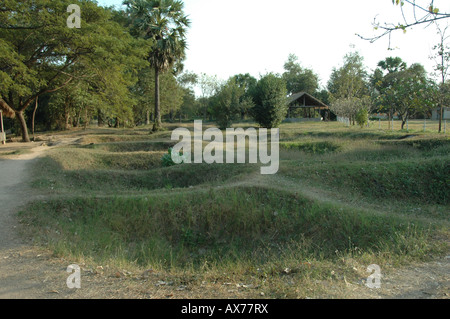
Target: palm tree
<point x="164" y="24"/>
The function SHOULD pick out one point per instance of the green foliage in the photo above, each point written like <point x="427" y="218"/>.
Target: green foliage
<point x="167" y="160"/>
<point x="190" y="108"/>
<point x="270" y="101"/>
<point x="350" y="80"/>
<point x="312" y="147"/>
<point x="403" y="90"/>
<point x="299" y="79"/>
<point x="100" y="53"/>
<point x="351" y="107"/>
<point x="362" y="117"/>
<point x="248" y="84"/>
<point x="226" y="104"/>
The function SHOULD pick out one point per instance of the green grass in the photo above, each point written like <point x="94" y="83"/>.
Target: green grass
<point x="403" y="180"/>
<point x="226" y="225"/>
<point x="341" y="194"/>
<point x="15" y="152"/>
<point x="311" y="147"/>
<point x="121" y="181"/>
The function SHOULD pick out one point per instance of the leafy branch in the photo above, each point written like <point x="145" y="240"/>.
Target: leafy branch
<point x="418" y="15"/>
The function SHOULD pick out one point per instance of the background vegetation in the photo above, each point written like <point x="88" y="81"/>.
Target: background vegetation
<point x="118" y="73"/>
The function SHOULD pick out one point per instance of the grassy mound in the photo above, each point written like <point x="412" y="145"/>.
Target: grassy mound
<point x="52" y="175"/>
<point x="426" y="144"/>
<point x="121" y="137"/>
<point x="415" y="181"/>
<point x="75" y="159"/>
<point x="128" y="147"/>
<point x="384" y="201"/>
<point x="220" y="225"/>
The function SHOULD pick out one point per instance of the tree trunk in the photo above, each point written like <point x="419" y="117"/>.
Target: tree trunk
<point x="389" y="120"/>
<point x="77" y="119"/>
<point x="34" y="116"/>
<point x="147" y="119"/>
<point x="86" y="118"/>
<point x="157" y="124"/>
<point x="67" y="120"/>
<point x="100" y="118"/>
<point x="2" y="130"/>
<point x="66" y="114"/>
<point x="23" y="127"/>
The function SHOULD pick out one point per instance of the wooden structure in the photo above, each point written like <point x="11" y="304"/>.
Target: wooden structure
<point x="309" y="106"/>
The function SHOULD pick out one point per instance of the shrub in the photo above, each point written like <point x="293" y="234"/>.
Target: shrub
<point x="167" y="158"/>
<point x="362" y="117"/>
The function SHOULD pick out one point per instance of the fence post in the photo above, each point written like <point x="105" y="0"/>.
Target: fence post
<point x="425" y="125"/>
<point x="407" y="126"/>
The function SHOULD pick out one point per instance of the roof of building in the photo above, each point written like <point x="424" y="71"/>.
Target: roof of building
<point x="310" y="101"/>
<point x="6" y="109"/>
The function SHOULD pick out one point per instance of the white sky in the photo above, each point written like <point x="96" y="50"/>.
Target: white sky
<point x="229" y="37"/>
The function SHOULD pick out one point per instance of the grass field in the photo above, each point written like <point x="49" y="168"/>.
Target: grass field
<point x="344" y="198"/>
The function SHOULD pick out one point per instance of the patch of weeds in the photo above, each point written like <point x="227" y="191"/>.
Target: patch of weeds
<point x="312" y="147"/>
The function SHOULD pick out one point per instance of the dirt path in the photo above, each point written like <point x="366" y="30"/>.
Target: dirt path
<point x="31" y="272"/>
<point x="27" y="272"/>
<point x="17" y="268"/>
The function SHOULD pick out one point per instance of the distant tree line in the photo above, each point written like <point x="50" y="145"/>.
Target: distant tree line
<point x="124" y="68"/>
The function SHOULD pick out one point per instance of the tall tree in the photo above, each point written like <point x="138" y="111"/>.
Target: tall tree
<point x="350" y="80"/>
<point x="298" y="78"/>
<point x="412" y="92"/>
<point x="188" y="81"/>
<point x="384" y="78"/>
<point x="164" y="23"/>
<point x="40" y="54"/>
<point x="226" y="103"/>
<point x="209" y="86"/>
<point x="171" y="95"/>
<point x="248" y="84"/>
<point x="442" y="59"/>
<point x="349" y="88"/>
<point x="402" y="90"/>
